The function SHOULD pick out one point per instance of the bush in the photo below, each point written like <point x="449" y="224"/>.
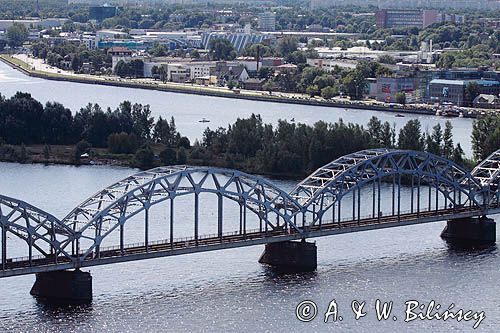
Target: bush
<point x="328" y="92"/>
<point x="144" y="157"/>
<point x="168" y="156"/>
<point x="181" y="156"/>
<point x="122" y="143"/>
<point x="23" y="155"/>
<point x="199" y="153"/>
<point x="400" y="98"/>
<point x="312" y="90"/>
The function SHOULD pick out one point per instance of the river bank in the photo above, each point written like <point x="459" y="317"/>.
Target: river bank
<point x="205" y="91"/>
<point x="65" y="155"/>
<point x="61" y="154"/>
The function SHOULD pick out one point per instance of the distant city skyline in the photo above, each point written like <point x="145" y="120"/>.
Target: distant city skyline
<point x="438" y="4"/>
<point x="186" y="2"/>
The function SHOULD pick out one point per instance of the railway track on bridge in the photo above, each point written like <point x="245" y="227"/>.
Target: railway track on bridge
<point x="232" y="240"/>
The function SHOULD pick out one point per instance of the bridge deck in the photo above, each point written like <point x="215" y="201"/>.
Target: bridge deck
<point x="209" y="243"/>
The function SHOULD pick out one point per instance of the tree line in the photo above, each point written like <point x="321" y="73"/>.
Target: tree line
<point x="124" y="130"/>
<point x="291" y="148"/>
<point x="248" y="144"/>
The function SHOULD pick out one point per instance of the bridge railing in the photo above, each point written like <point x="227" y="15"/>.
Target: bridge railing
<point x="27" y="258"/>
<point x="192" y="240"/>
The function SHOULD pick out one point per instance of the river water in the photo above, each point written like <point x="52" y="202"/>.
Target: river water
<point x="229" y="291"/>
<point x="189" y="109"/>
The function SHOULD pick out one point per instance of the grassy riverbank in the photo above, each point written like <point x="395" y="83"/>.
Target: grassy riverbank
<point x="61" y="154"/>
<point x="203" y="90"/>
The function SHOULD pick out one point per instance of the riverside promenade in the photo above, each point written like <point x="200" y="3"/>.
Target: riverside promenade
<point x="203" y="90"/>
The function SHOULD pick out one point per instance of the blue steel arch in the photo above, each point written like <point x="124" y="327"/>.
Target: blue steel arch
<point x="325" y="187"/>
<point x="331" y="182"/>
<point x="137" y="193"/>
<point x="40" y="230"/>
<point x="488" y="171"/>
<point x="488" y="174"/>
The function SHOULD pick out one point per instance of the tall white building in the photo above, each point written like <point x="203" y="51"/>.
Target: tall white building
<point x="267" y="21"/>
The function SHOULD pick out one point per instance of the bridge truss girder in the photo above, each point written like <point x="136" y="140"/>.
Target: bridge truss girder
<point x="40" y="230"/>
<point x="329" y="184"/>
<point x="275" y="208"/>
<point x="116" y="204"/>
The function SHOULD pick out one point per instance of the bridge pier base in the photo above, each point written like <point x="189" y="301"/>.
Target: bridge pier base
<point x="470" y="231"/>
<point x="63" y="286"/>
<point x="291" y="256"/>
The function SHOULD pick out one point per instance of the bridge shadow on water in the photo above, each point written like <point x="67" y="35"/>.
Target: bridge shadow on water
<point x="54" y="310"/>
<point x="467" y="249"/>
<point x="286" y="275"/>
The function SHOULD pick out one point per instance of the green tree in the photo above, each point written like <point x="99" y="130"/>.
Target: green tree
<point x="485" y="136"/>
<point x="386" y="59"/>
<point x="296" y="57"/>
<point x="472" y="90"/>
<point x="163" y="72"/>
<point x="17" y="34"/>
<point x="448" y="149"/>
<point x="312" y="90"/>
<point x="122" y="143"/>
<point x="410" y="136"/>
<point x="136" y="68"/>
<point x="434" y="141"/>
<point x="168" y="156"/>
<point x="253" y="49"/>
<point x="308" y="76"/>
<point x="458" y="154"/>
<point x="388" y="135"/>
<point x="446" y="60"/>
<point x="328" y="92"/>
<point x="354" y="84"/>
<point x="400" y="98"/>
<point x="144" y="157"/>
<point x="166" y="132"/>
<point x="265" y="72"/>
<point x="158" y="50"/>
<point x="221" y="49"/>
<point x="286" y="45"/>
<point x="122" y="69"/>
<point x="143" y="122"/>
<point x="324" y="80"/>
<point x="181" y="156"/>
<point x="184" y="143"/>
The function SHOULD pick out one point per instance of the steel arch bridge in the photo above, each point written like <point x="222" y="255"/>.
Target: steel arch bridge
<point x="370" y="189"/>
<point x="325" y="188"/>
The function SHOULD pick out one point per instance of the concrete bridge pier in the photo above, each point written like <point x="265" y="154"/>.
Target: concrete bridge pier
<point x="470" y="231"/>
<point x="63" y="286"/>
<point x="291" y="256"/>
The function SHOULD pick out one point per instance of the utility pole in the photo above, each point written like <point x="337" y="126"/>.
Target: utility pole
<point x="258" y="56"/>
